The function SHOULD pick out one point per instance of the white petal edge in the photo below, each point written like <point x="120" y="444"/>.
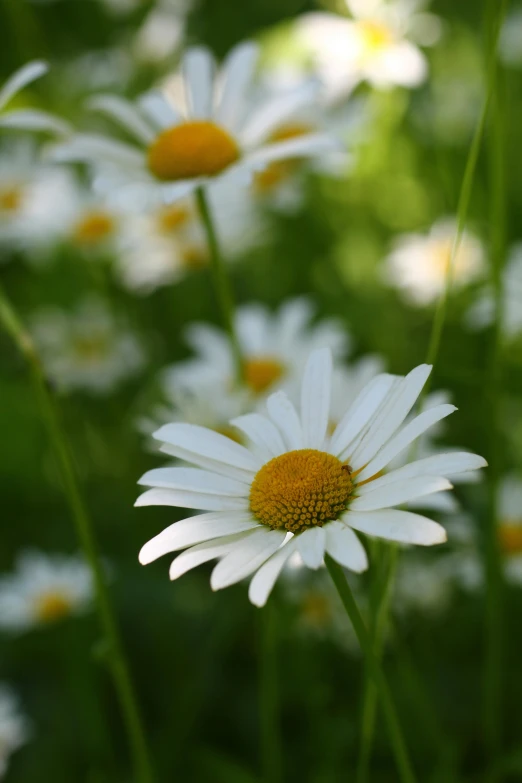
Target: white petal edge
<point x="262" y="432"/>
<point x="396" y="525"/>
<point x="311" y="545"/>
<point x="202" y="553"/>
<point x="447" y="464"/>
<point x="21" y="78"/>
<point x="198" y="71"/>
<point x="34" y="120"/>
<point x="246" y="557"/>
<point x="397" y="492"/>
<point x="194" y="480"/>
<point x="196" y="530"/>
<point x="284" y="415"/>
<point x="125" y="114"/>
<point x="264" y="580"/>
<point x="237" y="74"/>
<point x="207" y="443"/>
<point x="345" y="548"/>
<point x="197" y="500"/>
<point x="315" y="398"/>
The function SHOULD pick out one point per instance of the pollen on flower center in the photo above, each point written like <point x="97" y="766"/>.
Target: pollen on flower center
<point x="93" y="227"/>
<point x="261" y="372"/>
<point x="193" y="149"/>
<point x="52" y="606"/>
<point x="510" y="538"/>
<point x="172" y="218"/>
<point x="300" y="489"/>
<point x="10" y="199"/>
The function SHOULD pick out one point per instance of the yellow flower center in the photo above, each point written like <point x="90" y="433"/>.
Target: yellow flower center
<point x="275" y="173"/>
<point x="262" y="372"/>
<point x="375" y="36"/>
<point x="193" y="149"/>
<point x="11" y="199"/>
<point x="442" y="257"/>
<point x="300" y="489"/>
<point x="90" y="348"/>
<point x="316" y="610"/>
<point x="52" y="606"/>
<point x="93" y="227"/>
<point x="170" y="219"/>
<point x="510" y="537"/>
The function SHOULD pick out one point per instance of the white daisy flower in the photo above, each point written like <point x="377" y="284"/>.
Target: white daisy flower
<point x="423" y="586"/>
<point x="295" y="488"/>
<point x="35" y="201"/>
<point x="161" y="245"/>
<point x="274" y="347"/>
<point x="86" y="349"/>
<point x="482" y="312"/>
<point x="374" y="45"/>
<point x="419" y="263"/>
<point x="27" y="119"/>
<point x="162" y="31"/>
<point x="43" y="589"/>
<point x="14" y="727"/>
<point x="177" y="152"/>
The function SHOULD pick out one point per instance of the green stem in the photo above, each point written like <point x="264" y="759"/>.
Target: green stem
<point x="84" y="528"/>
<point x="373" y="663"/>
<point x="492" y="683"/>
<point x="221" y="281"/>
<point x="268" y="698"/>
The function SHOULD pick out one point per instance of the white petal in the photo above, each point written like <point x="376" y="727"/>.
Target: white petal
<point x="403" y="438"/>
<point x="238" y="71"/>
<point x="391" y="415"/>
<point x="124" y="113"/>
<point x="246" y="557"/>
<point x="439" y="501"/>
<point x="262" y="433"/>
<point x="196" y="530"/>
<point x="20" y="79"/>
<point x="34" y="120"/>
<point x="396" y="525"/>
<point x="360" y="412"/>
<point x="91" y="148"/>
<point x="284" y="415"/>
<point x="277" y="111"/>
<point x="198" y="70"/>
<point x="202" y="553"/>
<point x="370" y="498"/>
<point x="202" y="501"/>
<point x="447" y="464"/>
<point x="315" y="398"/>
<point x="207" y="443"/>
<point x="301" y="147"/>
<point x="310" y="545"/>
<point x="208" y="464"/>
<point x="159" y="110"/>
<point x="343" y="545"/>
<point x="194" y="480"/>
<point x="265" y="578"/>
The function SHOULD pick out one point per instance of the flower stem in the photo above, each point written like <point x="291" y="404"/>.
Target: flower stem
<point x="221" y="281"/>
<point x="113" y="649"/>
<point x="400" y="751"/>
<point x="268" y="698"/>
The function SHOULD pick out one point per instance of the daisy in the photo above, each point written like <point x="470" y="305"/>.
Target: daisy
<point x="86" y="349"/>
<point x="510" y="527"/>
<point x="274" y="347"/>
<point x="14" y="729"/>
<point x="177" y="151"/>
<point x="42" y="590"/>
<point x="296" y="488"/>
<point x="482" y="312"/>
<point x="27" y="119"/>
<point x="419" y="263"/>
<point x="35" y="201"/>
<point x="162" y="31"/>
<point x="373" y="45"/>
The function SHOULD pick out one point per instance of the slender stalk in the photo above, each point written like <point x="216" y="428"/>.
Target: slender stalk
<point x="272" y="757"/>
<point x="84" y="528"/>
<point x="221" y="281"/>
<point x="400" y="751"/>
<point x="492" y="683"/>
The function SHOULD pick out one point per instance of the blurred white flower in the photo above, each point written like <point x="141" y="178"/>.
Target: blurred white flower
<point x="178" y="152"/>
<point x="295" y="487"/>
<point x="482" y="312"/>
<point x="35" y="201"/>
<point x="162" y="31"/>
<point x="510" y="40"/>
<point x="97" y="69"/>
<point x="510" y="527"/>
<point x="14" y="727"/>
<point x="42" y="590"/>
<point x="423" y="585"/>
<point x="274" y="346"/>
<point x="419" y="263"/>
<point x="374" y="45"/>
<point x="27" y="119"/>
<point x="86" y="349"/>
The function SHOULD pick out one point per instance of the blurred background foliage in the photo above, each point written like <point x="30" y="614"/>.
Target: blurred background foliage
<point x="194" y="654"/>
